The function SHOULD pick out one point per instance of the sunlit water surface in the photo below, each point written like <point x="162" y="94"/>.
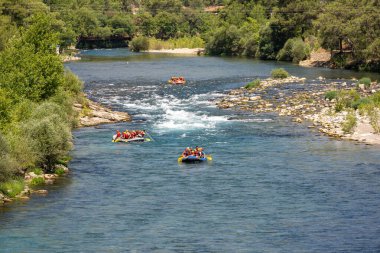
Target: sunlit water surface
<point x="273" y="186"/>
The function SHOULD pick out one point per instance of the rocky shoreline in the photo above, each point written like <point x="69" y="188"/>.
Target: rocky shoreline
<point x="29" y="177"/>
<point x="304" y="103"/>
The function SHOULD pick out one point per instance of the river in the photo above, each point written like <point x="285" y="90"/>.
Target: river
<point x="273" y="185"/>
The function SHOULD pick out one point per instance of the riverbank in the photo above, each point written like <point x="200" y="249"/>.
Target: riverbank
<point x="33" y="182"/>
<point x="90" y="114"/>
<point x="305" y="104"/>
<point x="189" y="51"/>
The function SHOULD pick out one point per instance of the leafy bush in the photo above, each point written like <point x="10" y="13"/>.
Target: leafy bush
<point x="345" y="99"/>
<point x="366" y="81"/>
<point x="350" y="123"/>
<point x="37" y="181"/>
<point x="7" y="164"/>
<point x="12" y="188"/>
<point x="250" y="47"/>
<point x="225" y="41"/>
<point x="373" y="113"/>
<point x="51" y="139"/>
<point x="330" y="95"/>
<point x="294" y="50"/>
<point x="139" y="44"/>
<point x="357" y="104"/>
<point x="72" y="83"/>
<point x="253" y="84"/>
<point x="279" y="73"/>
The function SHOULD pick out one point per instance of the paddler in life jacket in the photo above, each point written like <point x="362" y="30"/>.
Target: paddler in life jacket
<point x="140" y="133"/>
<point x="200" y="153"/>
<point x="187" y="152"/>
<point x="126" y="134"/>
<point x="118" y="134"/>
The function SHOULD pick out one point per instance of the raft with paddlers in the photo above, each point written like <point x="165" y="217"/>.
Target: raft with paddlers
<point x="130" y="136"/>
<point x="177" y="80"/>
<point x="191" y="155"/>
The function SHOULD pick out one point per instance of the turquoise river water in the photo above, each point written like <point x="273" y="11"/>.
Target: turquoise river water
<point x="273" y="185"/>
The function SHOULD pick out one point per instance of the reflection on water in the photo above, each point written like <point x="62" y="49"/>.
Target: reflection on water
<point x="273" y="186"/>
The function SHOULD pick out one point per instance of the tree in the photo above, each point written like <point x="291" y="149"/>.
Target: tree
<point x="29" y="68"/>
<point x="122" y="25"/>
<point x="157" y="6"/>
<point x="146" y="24"/>
<point x="225" y="41"/>
<point x="167" y="25"/>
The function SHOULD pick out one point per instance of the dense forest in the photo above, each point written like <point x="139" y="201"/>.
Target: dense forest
<point x="36" y="92"/>
<point x="268" y="29"/>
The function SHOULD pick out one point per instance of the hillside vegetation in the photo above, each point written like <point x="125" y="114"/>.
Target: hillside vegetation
<point x="283" y="30"/>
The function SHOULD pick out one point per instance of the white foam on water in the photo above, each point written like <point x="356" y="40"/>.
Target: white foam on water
<point x="185" y="120"/>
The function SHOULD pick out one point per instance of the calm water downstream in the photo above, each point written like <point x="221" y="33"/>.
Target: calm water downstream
<point x="273" y="186"/>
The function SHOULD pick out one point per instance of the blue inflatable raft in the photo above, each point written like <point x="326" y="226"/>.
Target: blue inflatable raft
<point x="194" y="159"/>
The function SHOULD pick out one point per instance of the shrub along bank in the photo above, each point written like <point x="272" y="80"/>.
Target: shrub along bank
<point x="36" y="103"/>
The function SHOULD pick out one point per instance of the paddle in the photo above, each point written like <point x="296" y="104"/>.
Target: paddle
<point x="180" y="159"/>
<point x="209" y="157"/>
<point x="149" y="135"/>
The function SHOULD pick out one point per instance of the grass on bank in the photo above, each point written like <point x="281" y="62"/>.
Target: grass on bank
<point x="279" y="73"/>
<point x="351" y="100"/>
<point x="142" y="43"/>
<point x="254" y="84"/>
<point x="12" y="188"/>
<point x="366" y="82"/>
<point x="37" y="181"/>
<point x="350" y="123"/>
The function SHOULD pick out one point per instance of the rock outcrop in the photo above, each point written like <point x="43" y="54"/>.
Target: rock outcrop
<point x="93" y="114"/>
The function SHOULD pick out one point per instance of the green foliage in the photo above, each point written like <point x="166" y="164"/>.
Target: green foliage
<point x="294" y="50"/>
<point x="359" y="103"/>
<point x="12" y="188"/>
<point x="350" y="123"/>
<point x="366" y="81"/>
<point x="226" y="41"/>
<point x="330" y="95"/>
<point x="159" y="6"/>
<point x="29" y="68"/>
<point x="167" y="25"/>
<point x="64" y="160"/>
<point x="59" y="171"/>
<point x="254" y="84"/>
<point x="37" y="181"/>
<point x="266" y="49"/>
<point x="352" y="25"/>
<point x="38" y="171"/>
<point x="345" y="99"/>
<point x="50" y="134"/>
<point x="184" y="42"/>
<point x="7" y="164"/>
<point x="279" y="73"/>
<point x="139" y="44"/>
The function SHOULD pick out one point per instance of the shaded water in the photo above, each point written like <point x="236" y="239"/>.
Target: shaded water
<point x="273" y="186"/>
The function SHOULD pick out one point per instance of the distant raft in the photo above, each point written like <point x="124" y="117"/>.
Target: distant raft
<point x="177" y="80"/>
<point x="194" y="159"/>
